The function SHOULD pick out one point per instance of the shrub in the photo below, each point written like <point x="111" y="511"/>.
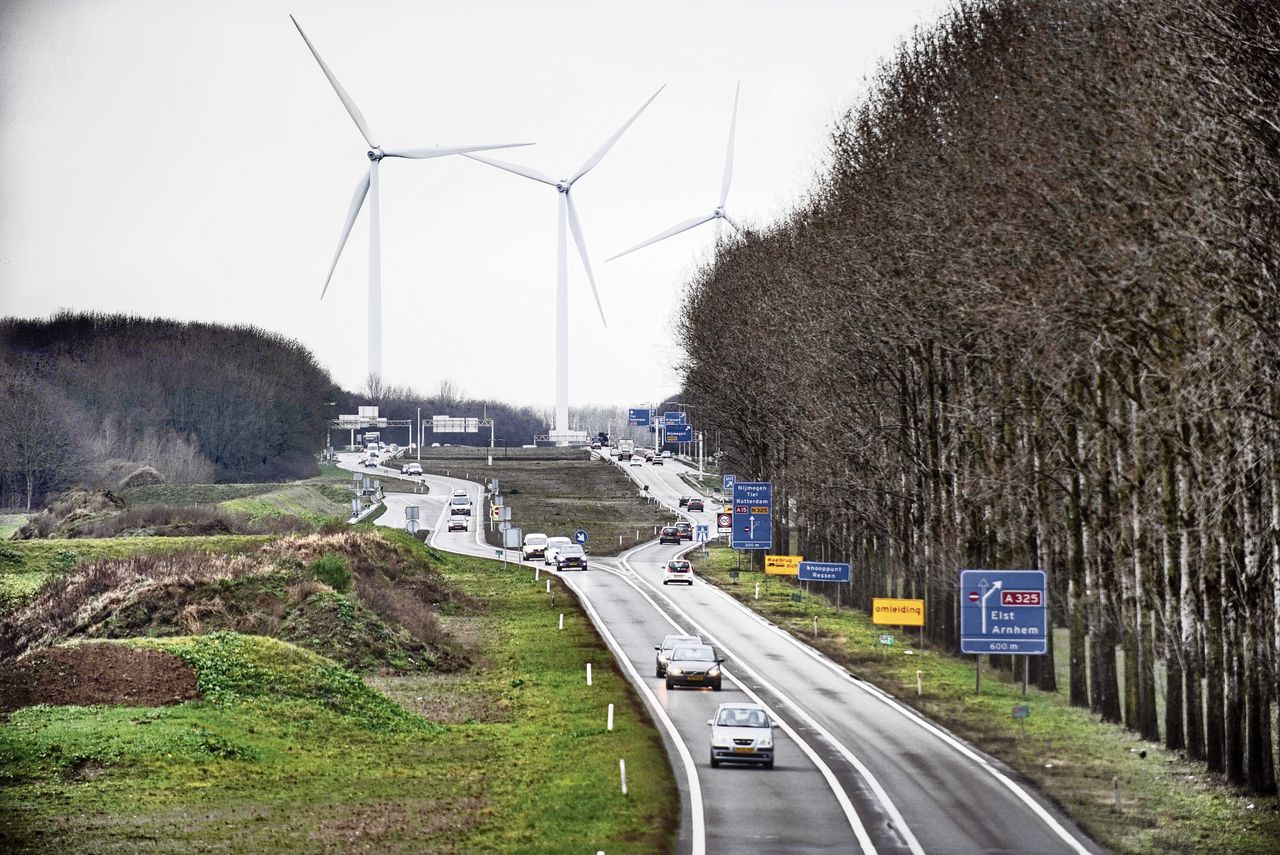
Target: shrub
<point x="331" y="568"/>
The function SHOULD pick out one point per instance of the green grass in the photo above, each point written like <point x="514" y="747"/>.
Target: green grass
<point x="299" y="500"/>
<point x="288" y="752"/>
<point x="1166" y="803"/>
<point x="26" y="564"/>
<point x="9" y="523"/>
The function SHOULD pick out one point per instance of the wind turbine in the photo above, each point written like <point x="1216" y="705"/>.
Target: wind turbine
<point x="569" y="213"/>
<point x="368" y="186"/>
<point x="718" y="214"/>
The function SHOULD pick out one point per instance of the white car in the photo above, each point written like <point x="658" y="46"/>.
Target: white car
<point x="741" y="733"/>
<point x="678" y="570"/>
<point x="460" y="505"/>
<point x="535" y="546"/>
<point x="553" y="547"/>
<point x="458" y="522"/>
<point x="666" y="453"/>
<point x="411" y="469"/>
<point x="636" y="460"/>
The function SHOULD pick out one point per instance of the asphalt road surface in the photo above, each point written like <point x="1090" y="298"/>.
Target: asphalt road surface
<point x="854" y="770"/>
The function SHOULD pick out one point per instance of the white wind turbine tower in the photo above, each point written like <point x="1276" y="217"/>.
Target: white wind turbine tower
<point x="718" y="214"/>
<point x="568" y="212"/>
<point x="368" y="185"/>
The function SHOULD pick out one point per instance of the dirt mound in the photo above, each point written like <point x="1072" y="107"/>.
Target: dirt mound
<point x="143" y="476"/>
<point x="88" y="674"/>
<point x="72" y="509"/>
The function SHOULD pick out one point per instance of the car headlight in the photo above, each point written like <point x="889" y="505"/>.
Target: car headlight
<point x="719" y="743"/>
<point x="713" y="672"/>
<point x="765" y="742"/>
<point x="675" y="671"/>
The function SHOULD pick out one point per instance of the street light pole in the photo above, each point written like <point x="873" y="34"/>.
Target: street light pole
<point x="419" y="434"/>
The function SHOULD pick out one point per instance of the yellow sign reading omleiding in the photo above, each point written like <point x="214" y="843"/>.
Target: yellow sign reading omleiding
<point x="897" y="612"/>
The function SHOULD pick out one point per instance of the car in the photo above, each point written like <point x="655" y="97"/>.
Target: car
<point x="369" y="463"/>
<point x="554" y="545"/>
<point x="534" y="546"/>
<point x="458" y="522"/>
<point x="460" y="504"/>
<point x="636" y="460"/>
<point x="648" y="454"/>
<point x="459" y="492"/>
<point x="656" y="461"/>
<point x="666" y="452"/>
<point x="411" y="469"/>
<point x="670" y="643"/>
<point x="572" y="555"/>
<point x="685" y="529"/>
<point x="684" y="501"/>
<point x="742" y="733"/>
<point x="669" y="534"/>
<point x="677" y="570"/>
<point x="694" y="665"/>
<point x="696" y="505"/>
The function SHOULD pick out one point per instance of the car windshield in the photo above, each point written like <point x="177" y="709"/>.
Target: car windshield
<point x="740" y="717"/>
<point x="571" y="550"/>
<point x="461" y="500"/>
<point x="672" y="640"/>
<point x="535" y="540"/>
<point x="669" y="530"/>
<point x="558" y="541"/>
<point x="694" y="654"/>
<point x="679" y="566"/>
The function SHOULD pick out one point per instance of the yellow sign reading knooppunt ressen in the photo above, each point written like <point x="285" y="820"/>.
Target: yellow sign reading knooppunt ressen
<point x="782" y="565"/>
<point x="897" y="612"/>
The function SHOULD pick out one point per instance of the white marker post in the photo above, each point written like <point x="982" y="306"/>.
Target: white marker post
<point x="588" y="673"/>
<point x="548" y="586"/>
<point x="537" y="573"/>
<point x="622" y="770"/>
<point x="609" y="726"/>
<point x="562" y="620"/>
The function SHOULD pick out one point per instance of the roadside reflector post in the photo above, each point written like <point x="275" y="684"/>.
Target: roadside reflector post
<point x="537" y="573"/>
<point x="757" y="590"/>
<point x="919" y="684"/>
<point x="609" y="726"/>
<point x="815" y="626"/>
<point x="1115" y="793"/>
<point x="548" y="586"/>
<point x="622" y="770"/>
<point x="588" y="673"/>
<point x="562" y="620"/>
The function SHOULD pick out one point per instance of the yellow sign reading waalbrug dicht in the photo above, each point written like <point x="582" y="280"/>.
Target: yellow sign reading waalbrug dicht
<point x="897" y="612"/>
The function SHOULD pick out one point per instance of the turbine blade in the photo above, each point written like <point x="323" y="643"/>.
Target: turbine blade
<point x="576" y="228"/>
<point x="445" y="150"/>
<point x="674" y="230"/>
<point x="362" y="188"/>
<point x="337" y="87"/>
<point x="526" y="171"/>
<point x="726" y="218"/>
<point x="608" y="144"/>
<point x="728" y="154"/>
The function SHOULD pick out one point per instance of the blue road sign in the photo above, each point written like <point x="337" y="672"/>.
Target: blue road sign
<point x="752" y="515"/>
<point x="679" y="433"/>
<point x="823" y="571"/>
<point x="702" y="533"/>
<point x="580" y="536"/>
<point x="1003" y="611"/>
<point x="674" y="418"/>
<point x="638" y="416"/>
<point x="728" y="482"/>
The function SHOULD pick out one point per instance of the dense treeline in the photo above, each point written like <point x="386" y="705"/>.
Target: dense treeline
<point x="89" y="398"/>
<point x="1028" y="318"/>
<point x="512" y="426"/>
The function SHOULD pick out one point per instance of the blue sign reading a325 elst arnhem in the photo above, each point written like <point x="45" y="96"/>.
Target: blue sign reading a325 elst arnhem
<point x="752" y="515"/>
<point x="1003" y="611"/>
<point x="823" y="571"/>
<point x="638" y="416"/>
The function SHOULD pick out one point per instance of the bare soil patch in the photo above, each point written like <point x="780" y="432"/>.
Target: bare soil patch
<point x="88" y="674"/>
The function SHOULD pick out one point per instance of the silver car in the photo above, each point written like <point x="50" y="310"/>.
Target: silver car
<point x="670" y="643"/>
<point x="741" y="733"/>
<point x="553" y="546"/>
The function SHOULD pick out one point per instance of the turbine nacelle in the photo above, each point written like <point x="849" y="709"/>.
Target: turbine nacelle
<point x="563" y="185"/>
<point x="376" y="154"/>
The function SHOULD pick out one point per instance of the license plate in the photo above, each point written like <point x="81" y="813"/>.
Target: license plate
<point x="695" y="677"/>
<point x="742" y="750"/>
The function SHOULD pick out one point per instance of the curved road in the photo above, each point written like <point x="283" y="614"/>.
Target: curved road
<point x="855" y="770"/>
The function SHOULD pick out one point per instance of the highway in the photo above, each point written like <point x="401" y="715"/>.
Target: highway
<point x="855" y="770"/>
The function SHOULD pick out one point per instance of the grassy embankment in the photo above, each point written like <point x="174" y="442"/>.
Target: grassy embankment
<point x="25" y="565"/>
<point x="1166" y="803"/>
<point x="558" y="491"/>
<point x="288" y="752"/>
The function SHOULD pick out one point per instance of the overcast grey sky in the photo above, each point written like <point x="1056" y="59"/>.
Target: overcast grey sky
<point x="188" y="159"/>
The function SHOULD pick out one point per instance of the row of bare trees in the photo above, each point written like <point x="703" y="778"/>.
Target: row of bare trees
<point x="1028" y="317"/>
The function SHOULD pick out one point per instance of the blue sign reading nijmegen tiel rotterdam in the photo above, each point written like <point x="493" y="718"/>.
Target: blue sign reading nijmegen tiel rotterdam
<point x="1003" y="611"/>
<point x="752" y="515"/>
